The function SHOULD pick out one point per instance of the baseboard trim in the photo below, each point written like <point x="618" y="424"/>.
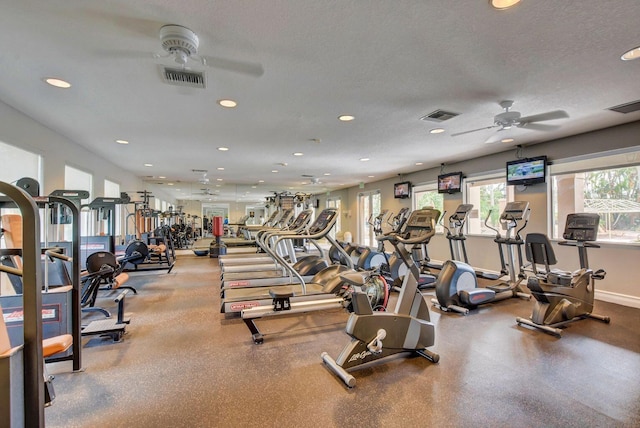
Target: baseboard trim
<point x="619" y="299"/>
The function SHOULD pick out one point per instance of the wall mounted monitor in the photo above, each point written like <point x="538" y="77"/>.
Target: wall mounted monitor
<point x="525" y="172"/>
<point x="450" y="183"/>
<point x="402" y="190"/>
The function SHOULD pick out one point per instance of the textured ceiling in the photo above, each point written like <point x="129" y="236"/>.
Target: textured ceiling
<point x="386" y="62"/>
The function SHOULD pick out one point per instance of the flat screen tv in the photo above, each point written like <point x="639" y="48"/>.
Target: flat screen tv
<point x="402" y="190"/>
<point x="524" y="172"/>
<point x="450" y="183"/>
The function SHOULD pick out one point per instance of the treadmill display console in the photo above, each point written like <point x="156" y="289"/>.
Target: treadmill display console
<point x="322" y="221"/>
<point x="302" y="217"/>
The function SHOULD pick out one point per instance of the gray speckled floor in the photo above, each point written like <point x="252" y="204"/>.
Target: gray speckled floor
<point x="183" y="364"/>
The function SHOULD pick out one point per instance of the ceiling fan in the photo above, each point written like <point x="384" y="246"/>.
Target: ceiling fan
<point x="312" y="180"/>
<point x="181" y="44"/>
<point x="509" y="119"/>
<point x="203" y="179"/>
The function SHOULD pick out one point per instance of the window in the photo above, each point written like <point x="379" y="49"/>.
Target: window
<point x="489" y="195"/>
<point x="613" y="193"/>
<point x="336" y="203"/>
<point x="18" y="163"/>
<point x="427" y="196"/>
<point x="75" y="179"/>
<point x="369" y="205"/>
<point x="112" y="190"/>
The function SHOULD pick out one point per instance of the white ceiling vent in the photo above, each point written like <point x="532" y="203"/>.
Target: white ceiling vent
<point x="439" y="116"/>
<point x="180" y="77"/>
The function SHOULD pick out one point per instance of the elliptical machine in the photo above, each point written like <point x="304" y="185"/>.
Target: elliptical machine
<point x="379" y="336"/>
<point x="563" y="297"/>
<point x="396" y="268"/>
<point x="457" y="284"/>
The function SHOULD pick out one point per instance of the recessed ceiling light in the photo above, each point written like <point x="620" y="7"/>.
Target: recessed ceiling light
<point x="227" y="103"/>
<point x="260" y="181"/>
<point x="254" y="187"/>
<point x="503" y="4"/>
<point x="346" y="118"/>
<point x="218" y="179"/>
<point x="298" y="154"/>
<point x="161" y="176"/>
<point x="169" y="184"/>
<point x="122" y="142"/>
<point x="631" y="54"/>
<point x="371" y="176"/>
<point x="274" y="170"/>
<point x="58" y="83"/>
<point x="327" y="173"/>
<point x="436" y="131"/>
<point x="223" y="149"/>
<point x="507" y="140"/>
<point x="418" y="163"/>
<point x="220" y="168"/>
<point x="364" y="159"/>
<point x="148" y="164"/>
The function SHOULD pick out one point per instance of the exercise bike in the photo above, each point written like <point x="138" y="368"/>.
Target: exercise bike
<point x="380" y="336"/>
<point x="457" y="284"/>
<point x="563" y="297"/>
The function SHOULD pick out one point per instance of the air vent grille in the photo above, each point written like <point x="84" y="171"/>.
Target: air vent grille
<point x="439" y="116"/>
<point x="176" y="76"/>
<point x="626" y="108"/>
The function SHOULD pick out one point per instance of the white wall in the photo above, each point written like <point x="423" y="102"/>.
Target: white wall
<point x="56" y="150"/>
<point x="620" y="261"/>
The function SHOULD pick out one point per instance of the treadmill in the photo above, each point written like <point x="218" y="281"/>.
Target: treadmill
<point x="285" y="223"/>
<point x="263" y="261"/>
<point x="234" y="300"/>
<point x="270" y="244"/>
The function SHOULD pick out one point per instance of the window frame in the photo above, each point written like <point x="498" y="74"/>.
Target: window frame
<point x="431" y="186"/>
<point x="489" y="176"/>
<point x="628" y="158"/>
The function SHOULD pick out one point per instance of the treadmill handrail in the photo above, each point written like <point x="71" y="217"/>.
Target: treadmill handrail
<point x="313" y="237"/>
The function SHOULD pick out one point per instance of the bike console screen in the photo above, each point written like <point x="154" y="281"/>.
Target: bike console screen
<point x="581" y="227"/>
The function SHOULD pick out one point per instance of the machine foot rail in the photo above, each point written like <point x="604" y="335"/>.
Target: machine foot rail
<point x="348" y="379"/>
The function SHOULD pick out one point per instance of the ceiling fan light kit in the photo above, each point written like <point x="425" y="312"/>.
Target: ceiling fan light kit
<point x="503" y="4"/>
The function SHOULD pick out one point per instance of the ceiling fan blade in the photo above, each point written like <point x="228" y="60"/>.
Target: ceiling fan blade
<point x="538" y="126"/>
<point x="244" y="67"/>
<point x="550" y="115"/>
<point x="473" y="130"/>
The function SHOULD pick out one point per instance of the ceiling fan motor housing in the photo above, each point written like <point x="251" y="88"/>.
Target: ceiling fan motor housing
<point x="180" y="41"/>
<point x="508" y="118"/>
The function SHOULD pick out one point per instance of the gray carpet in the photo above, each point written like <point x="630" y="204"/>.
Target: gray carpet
<point x="183" y="364"/>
